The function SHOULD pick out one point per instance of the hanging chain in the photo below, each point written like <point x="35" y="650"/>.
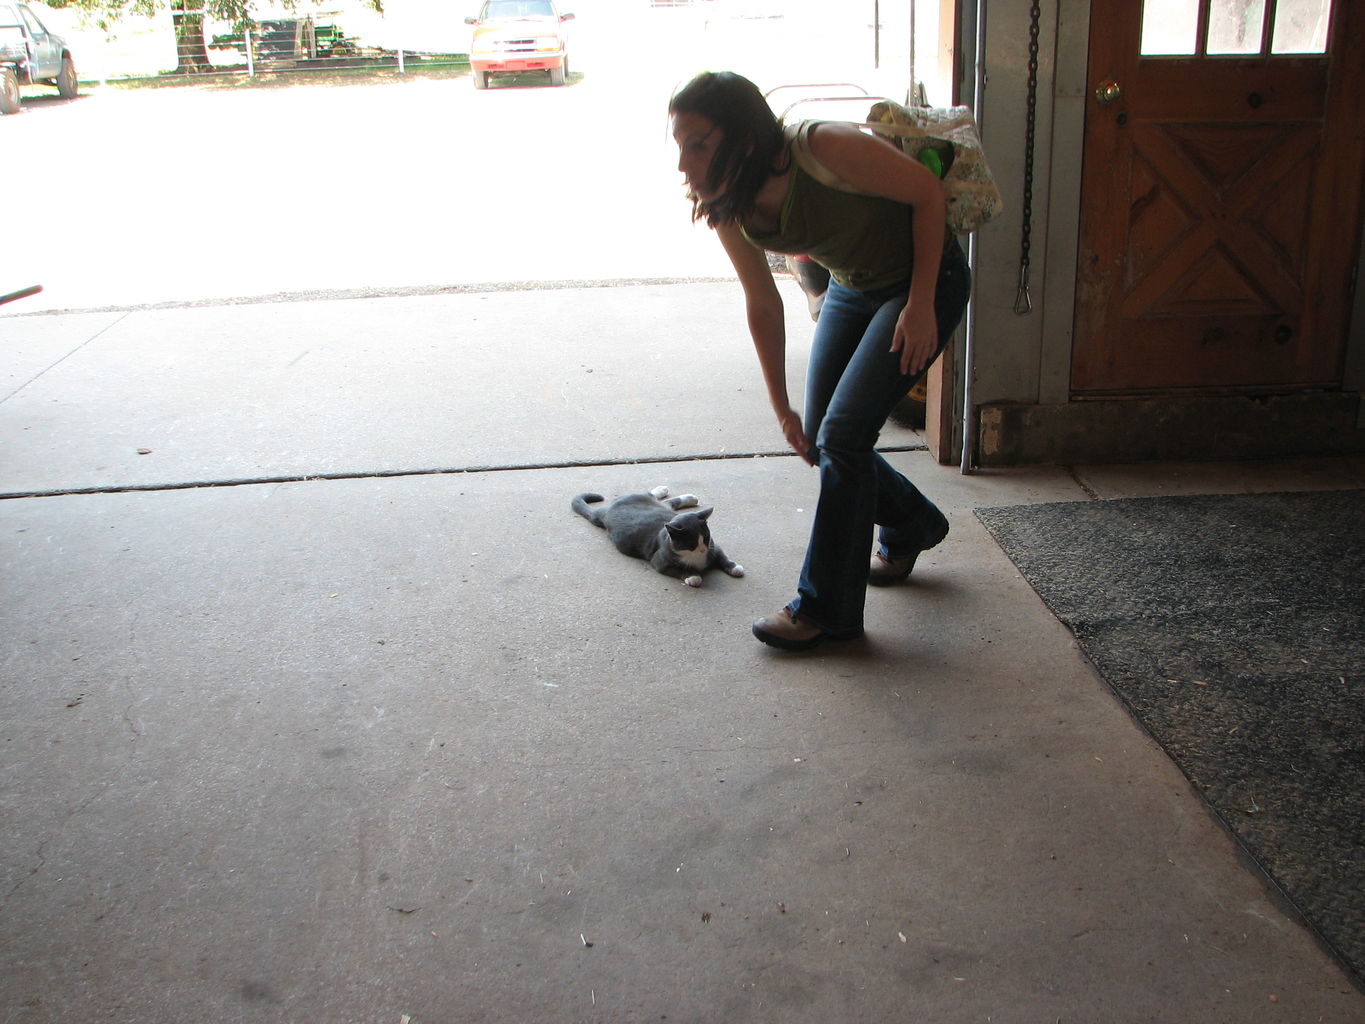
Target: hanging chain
<point x="1023" y="302"/>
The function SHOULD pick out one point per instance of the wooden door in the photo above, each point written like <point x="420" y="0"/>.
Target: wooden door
<point x="1221" y="195"/>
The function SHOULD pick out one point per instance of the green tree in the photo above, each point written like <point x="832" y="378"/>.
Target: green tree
<point x="191" y="51"/>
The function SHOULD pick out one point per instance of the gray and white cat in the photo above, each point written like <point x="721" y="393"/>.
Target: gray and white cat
<point x="651" y="526"/>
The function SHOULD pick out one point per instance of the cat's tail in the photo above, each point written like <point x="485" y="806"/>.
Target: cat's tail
<point x="581" y="505"/>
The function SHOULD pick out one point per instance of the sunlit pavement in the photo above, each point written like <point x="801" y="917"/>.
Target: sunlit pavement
<point x="152" y="196"/>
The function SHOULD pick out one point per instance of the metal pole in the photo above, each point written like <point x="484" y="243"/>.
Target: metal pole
<point x="968" y="348"/>
<point x="910" y="100"/>
<point x="22" y="293"/>
<point x="876" y="35"/>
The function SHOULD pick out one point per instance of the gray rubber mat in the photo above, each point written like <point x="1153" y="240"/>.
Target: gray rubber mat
<point x="1233" y="627"/>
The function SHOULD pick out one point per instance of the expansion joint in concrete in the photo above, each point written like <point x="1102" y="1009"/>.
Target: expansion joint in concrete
<point x="393" y="473"/>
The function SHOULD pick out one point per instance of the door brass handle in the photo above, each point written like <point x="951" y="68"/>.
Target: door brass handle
<point x="1108" y="91"/>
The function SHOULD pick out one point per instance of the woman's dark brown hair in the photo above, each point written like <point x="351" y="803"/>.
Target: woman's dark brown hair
<point x="750" y="147"/>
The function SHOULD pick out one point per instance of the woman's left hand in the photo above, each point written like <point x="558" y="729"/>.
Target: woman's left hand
<point x="916" y="336"/>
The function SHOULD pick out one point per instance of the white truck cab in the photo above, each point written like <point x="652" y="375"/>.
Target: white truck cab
<point x="30" y="54"/>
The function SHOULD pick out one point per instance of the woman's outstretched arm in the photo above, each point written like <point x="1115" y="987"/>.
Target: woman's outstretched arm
<point x="768" y="328"/>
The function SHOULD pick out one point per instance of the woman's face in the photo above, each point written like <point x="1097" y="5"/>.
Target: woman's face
<point x="697" y="138"/>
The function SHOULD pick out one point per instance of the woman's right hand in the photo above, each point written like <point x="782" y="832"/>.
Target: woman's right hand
<point x="796" y="435"/>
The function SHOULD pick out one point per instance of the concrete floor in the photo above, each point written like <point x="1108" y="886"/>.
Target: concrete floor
<point x="422" y="747"/>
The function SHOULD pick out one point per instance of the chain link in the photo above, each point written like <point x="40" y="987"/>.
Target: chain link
<point x="1023" y="302"/>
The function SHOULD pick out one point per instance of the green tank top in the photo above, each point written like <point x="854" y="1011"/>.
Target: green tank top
<point x="865" y="242"/>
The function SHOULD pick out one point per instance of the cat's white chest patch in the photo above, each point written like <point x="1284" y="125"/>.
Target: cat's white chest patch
<point x="696" y="558"/>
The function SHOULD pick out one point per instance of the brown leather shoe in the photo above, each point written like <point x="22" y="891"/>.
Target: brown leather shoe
<point x="784" y="631"/>
<point x="884" y="572"/>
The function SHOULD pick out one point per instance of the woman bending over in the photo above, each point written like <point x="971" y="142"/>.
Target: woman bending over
<point x="899" y="285"/>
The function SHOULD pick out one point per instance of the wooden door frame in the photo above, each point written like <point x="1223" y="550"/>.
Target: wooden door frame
<point x="942" y="406"/>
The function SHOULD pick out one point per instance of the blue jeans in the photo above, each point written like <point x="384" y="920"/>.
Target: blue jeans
<point x="853" y="383"/>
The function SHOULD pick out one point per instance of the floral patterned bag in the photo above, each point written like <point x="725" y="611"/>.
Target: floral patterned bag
<point x="945" y="139"/>
<point x="951" y="134"/>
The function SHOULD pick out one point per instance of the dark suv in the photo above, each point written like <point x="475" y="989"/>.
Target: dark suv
<point x="29" y="53"/>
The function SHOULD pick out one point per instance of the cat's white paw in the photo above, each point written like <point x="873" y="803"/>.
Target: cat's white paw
<point x="736" y="571"/>
<point x="686" y="501"/>
<point x="693" y="581"/>
<point x="659" y="493"/>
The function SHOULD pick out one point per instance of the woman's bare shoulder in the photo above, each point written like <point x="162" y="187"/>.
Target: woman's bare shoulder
<point x="834" y="141"/>
<point x="869" y="162"/>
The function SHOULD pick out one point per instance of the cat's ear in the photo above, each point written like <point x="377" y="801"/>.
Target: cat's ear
<point x="704" y="513"/>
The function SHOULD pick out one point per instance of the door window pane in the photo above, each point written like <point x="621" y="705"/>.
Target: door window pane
<point x="1235" y="26"/>
<point x="1170" y="28"/>
<point x="1301" y="26"/>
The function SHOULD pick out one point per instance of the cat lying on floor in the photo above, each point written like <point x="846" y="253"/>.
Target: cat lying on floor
<point x="650" y="526"/>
